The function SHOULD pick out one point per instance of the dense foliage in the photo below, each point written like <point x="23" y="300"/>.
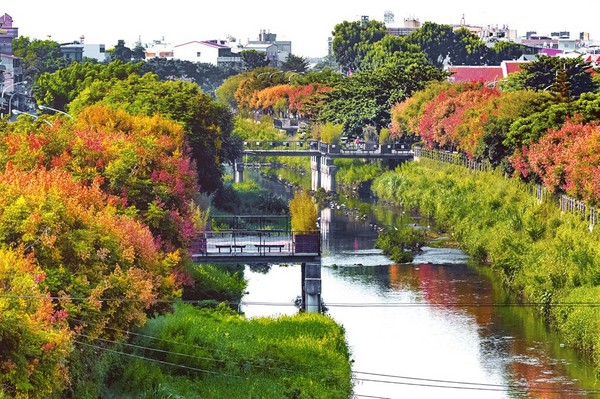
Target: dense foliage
<point x="543" y="136"/>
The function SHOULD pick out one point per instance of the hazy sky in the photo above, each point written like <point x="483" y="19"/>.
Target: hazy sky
<point x="306" y="23"/>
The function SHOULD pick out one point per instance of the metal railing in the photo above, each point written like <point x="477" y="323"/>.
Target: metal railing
<point x="256" y="243"/>
<point x="349" y="148"/>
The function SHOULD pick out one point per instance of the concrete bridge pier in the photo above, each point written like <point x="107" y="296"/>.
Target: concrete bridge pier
<point x="238" y="171"/>
<point x="311" y="287"/>
<point x="328" y="171"/>
<point x="315" y="168"/>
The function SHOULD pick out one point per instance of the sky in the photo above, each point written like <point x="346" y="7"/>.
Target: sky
<point x="307" y="24"/>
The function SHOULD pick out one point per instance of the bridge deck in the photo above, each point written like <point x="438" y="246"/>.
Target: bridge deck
<point x="253" y="246"/>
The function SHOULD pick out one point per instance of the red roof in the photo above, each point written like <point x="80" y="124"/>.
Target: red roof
<point x="475" y="73"/>
<point x="512" y="66"/>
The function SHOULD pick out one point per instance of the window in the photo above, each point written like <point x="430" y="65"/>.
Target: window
<point x="198" y="54"/>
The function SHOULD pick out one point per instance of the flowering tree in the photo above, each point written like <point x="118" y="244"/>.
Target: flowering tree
<point x="565" y="160"/>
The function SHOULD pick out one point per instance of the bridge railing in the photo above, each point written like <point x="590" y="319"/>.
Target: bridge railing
<point x="256" y="243"/>
<point x="327" y="148"/>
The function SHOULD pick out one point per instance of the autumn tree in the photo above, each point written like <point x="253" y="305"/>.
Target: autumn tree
<point x="207" y="125"/>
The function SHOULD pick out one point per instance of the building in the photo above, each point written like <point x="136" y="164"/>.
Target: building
<point x="277" y="51"/>
<point x="488" y="74"/>
<point x="78" y="51"/>
<point x="160" y="49"/>
<point x="10" y="66"/>
<point x="215" y="52"/>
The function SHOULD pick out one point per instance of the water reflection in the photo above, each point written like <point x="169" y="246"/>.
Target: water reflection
<point x="436" y="328"/>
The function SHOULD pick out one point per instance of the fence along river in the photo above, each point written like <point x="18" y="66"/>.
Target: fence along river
<point x="430" y="329"/>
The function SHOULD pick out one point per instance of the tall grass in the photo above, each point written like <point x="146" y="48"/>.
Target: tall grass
<point x="223" y="355"/>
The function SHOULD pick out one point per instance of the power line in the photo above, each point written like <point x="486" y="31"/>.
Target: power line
<point x="468" y="385"/>
<point x="328" y="304"/>
<point x="156" y="360"/>
<point x="422" y="382"/>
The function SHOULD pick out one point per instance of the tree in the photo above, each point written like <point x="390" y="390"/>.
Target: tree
<point x="366" y="97"/>
<point x="38" y="56"/>
<point x="207" y="125"/>
<point x="437" y="41"/>
<point x="545" y="72"/>
<point x="352" y="40"/>
<point x="505" y="50"/>
<point x="121" y="52"/>
<point x="138" y="53"/>
<point x="209" y="77"/>
<point x="388" y="49"/>
<point x="253" y="59"/>
<point x="295" y="63"/>
<point x="327" y="63"/>
<point x="59" y="88"/>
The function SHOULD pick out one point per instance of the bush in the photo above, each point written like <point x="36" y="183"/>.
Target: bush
<point x="402" y="244"/>
<point x="304" y="212"/>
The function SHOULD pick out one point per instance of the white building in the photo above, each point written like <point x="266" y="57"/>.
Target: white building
<point x="199" y="51"/>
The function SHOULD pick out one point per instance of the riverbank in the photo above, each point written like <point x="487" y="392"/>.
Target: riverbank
<point x="548" y="259"/>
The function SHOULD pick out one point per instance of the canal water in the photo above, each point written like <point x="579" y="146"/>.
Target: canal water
<point x="435" y="328"/>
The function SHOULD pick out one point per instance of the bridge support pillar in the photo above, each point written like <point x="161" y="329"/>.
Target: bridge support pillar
<point x="328" y="171"/>
<point x="238" y="171"/>
<point x="311" y="287"/>
<point x="315" y="168"/>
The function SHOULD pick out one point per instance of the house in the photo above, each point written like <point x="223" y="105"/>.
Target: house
<point x="488" y="74"/>
<point x="210" y="52"/>
<point x="159" y="49"/>
<point x="277" y="51"/>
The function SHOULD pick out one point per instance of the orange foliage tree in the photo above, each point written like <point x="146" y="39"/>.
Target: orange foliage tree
<point x="34" y="335"/>
<point x="142" y="160"/>
<point x="565" y="160"/>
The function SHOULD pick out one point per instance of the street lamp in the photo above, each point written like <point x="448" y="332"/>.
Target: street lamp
<point x="4" y="91"/>
<point x="46" y="108"/>
<point x="34" y="116"/>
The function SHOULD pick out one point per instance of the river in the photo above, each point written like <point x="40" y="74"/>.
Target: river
<point x="436" y="328"/>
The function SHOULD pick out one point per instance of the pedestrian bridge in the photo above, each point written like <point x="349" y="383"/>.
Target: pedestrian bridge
<point x="322" y="155"/>
<point x="248" y="239"/>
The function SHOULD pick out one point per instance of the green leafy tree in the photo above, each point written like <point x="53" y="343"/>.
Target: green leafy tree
<point x="437" y="41"/>
<point x="352" y="40"/>
<point x="505" y="50"/>
<point x="366" y="98"/>
<point x="388" y="49"/>
<point x="138" y="53"/>
<point x="295" y="63"/>
<point x="254" y="59"/>
<point x="209" y="77"/>
<point x="469" y="49"/>
<point x="327" y="63"/>
<point x="225" y="94"/>
<point x="59" y="88"/>
<point x="121" y="52"/>
<point x="38" y="56"/>
<point x="546" y="73"/>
